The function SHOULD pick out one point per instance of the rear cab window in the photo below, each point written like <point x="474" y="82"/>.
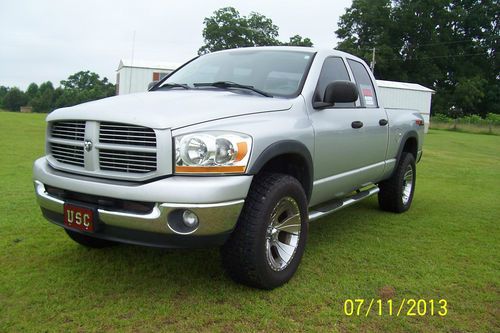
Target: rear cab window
<point x="365" y="85"/>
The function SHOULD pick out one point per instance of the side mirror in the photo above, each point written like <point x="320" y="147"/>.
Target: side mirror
<point x="339" y="92"/>
<point x="152" y="84"/>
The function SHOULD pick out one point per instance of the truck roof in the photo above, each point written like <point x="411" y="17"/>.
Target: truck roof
<point x="323" y="51"/>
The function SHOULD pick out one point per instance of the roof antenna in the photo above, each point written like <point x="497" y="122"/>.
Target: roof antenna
<point x="131" y="64"/>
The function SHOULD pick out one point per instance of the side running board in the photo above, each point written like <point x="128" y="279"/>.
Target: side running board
<point x="332" y="206"/>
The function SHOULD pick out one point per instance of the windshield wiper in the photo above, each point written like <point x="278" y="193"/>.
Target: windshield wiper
<point x="229" y="84"/>
<point x="174" y="85"/>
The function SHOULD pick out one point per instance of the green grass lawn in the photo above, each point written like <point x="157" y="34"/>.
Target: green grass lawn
<point x="446" y="247"/>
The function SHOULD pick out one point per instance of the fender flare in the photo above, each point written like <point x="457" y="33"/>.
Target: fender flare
<point x="286" y="147"/>
<point x="408" y="135"/>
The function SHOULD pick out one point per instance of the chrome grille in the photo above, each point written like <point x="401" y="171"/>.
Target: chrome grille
<point x="69" y="130"/>
<point x="104" y="149"/>
<point x="127" y="161"/>
<point x="68" y="154"/>
<point x="127" y="135"/>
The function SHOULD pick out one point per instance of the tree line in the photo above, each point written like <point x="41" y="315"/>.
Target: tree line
<point x="447" y="45"/>
<point x="78" y="88"/>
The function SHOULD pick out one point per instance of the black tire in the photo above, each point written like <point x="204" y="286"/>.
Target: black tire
<point x="392" y="196"/>
<point x="245" y="256"/>
<point x="88" y="241"/>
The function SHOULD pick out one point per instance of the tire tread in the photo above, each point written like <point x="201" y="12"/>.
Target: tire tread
<point x="239" y="256"/>
<point x="389" y="197"/>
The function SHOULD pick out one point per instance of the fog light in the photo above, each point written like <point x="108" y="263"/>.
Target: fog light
<point x="183" y="221"/>
<point x="189" y="218"/>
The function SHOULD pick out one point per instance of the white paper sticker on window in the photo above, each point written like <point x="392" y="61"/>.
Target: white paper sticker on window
<point x="368" y="95"/>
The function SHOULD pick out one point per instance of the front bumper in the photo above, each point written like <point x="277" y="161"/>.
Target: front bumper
<point x="217" y="201"/>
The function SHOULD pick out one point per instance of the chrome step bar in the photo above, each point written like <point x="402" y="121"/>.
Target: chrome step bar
<point x="327" y="208"/>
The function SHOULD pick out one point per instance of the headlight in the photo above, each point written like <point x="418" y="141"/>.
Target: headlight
<point x="212" y="152"/>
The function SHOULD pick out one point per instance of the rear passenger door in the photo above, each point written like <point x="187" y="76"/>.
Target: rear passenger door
<point x="350" y="142"/>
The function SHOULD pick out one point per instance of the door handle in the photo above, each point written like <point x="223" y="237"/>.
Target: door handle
<point x="357" y="124"/>
<point x="383" y="122"/>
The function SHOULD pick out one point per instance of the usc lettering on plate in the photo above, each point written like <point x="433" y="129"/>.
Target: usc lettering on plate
<point x="78" y="217"/>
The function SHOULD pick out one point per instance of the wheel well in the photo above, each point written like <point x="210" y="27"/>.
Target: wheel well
<point x="293" y="165"/>
<point x="411" y="147"/>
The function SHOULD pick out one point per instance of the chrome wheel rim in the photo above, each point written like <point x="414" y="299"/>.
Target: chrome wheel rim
<point x="408" y="180"/>
<point x="283" y="234"/>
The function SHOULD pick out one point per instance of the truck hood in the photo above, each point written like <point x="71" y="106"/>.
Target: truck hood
<point x="171" y="108"/>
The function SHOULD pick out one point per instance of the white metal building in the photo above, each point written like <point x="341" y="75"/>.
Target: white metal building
<point x="406" y="96"/>
<point x="134" y="76"/>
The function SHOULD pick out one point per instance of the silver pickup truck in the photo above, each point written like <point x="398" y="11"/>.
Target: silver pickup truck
<point x="239" y="148"/>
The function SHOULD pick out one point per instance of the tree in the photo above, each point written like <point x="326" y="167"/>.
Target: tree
<point x="3" y="91"/>
<point x="82" y="87"/>
<point x="44" y="99"/>
<point x="469" y="92"/>
<point x="14" y="99"/>
<point x="297" y="40"/>
<point x="85" y="80"/>
<point x="449" y="46"/>
<point x="365" y="25"/>
<point x="32" y="91"/>
<point x="227" y="29"/>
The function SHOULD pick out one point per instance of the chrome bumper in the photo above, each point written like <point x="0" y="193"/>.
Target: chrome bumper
<point x="215" y="218"/>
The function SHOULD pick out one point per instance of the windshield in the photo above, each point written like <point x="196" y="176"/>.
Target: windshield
<point x="275" y="72"/>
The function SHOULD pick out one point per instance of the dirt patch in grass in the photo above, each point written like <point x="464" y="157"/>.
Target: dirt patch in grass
<point x="387" y="292"/>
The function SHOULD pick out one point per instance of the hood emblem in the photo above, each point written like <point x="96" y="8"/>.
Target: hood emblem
<point x="87" y="145"/>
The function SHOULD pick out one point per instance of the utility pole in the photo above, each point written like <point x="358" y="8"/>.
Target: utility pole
<point x="131" y="64"/>
<point x="372" y="64"/>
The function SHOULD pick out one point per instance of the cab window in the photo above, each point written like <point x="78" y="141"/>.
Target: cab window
<point x="333" y="69"/>
<point x="364" y="83"/>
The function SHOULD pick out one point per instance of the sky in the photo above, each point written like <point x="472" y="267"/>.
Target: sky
<point x="50" y="40"/>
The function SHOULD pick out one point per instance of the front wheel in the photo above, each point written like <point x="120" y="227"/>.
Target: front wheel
<point x="396" y="193"/>
<point x="268" y="242"/>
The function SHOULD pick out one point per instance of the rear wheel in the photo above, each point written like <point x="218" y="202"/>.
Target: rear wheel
<point x="396" y="193"/>
<point x="88" y="241"/>
<point x="268" y="242"/>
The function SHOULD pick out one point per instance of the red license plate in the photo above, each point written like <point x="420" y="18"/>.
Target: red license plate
<point x="77" y="217"/>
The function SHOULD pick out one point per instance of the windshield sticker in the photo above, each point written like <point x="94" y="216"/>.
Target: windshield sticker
<point x="368" y="95"/>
